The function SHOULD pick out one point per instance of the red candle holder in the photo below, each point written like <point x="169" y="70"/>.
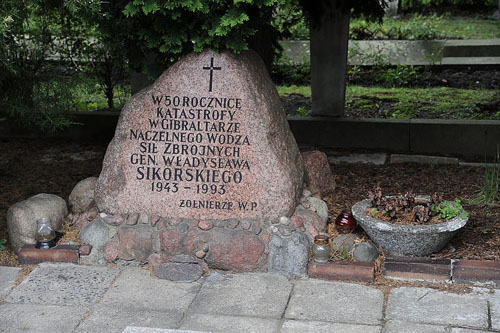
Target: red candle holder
<point x="345" y="222"/>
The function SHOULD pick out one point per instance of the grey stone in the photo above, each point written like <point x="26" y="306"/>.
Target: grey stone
<point x="132" y="219"/>
<point x="425" y="305"/>
<point x="22" y="217"/>
<point x="112" y="319"/>
<point x="8" y="277"/>
<point x="320" y="207"/>
<point x="143" y="219"/>
<point x="96" y="233"/>
<point x="137" y="288"/>
<point x="466" y="330"/>
<point x="82" y="195"/>
<point x="298" y="326"/>
<point x="284" y="220"/>
<point x="422" y="159"/>
<point x="219" y="323"/>
<point x="63" y="284"/>
<point x="17" y="318"/>
<point x="184" y="258"/>
<point x="250" y="294"/>
<point x="395" y="326"/>
<point x="289" y="256"/>
<point x="365" y="252"/>
<point x="377" y="159"/>
<point x="285" y="230"/>
<point x="418" y="240"/>
<point x="345" y="241"/>
<point x="245" y="224"/>
<point x="179" y="272"/>
<point x="335" y="302"/>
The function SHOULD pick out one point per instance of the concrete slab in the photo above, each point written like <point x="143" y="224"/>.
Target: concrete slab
<point x="217" y="323"/>
<point x="395" y="326"/>
<point x="298" y="326"/>
<point x="63" y="284"/>
<point x="252" y="294"/>
<point x="133" y="329"/>
<point x="422" y="159"/>
<point x="377" y="159"/>
<point x="335" y="302"/>
<point x="113" y="319"/>
<point x="494" y="303"/>
<point x="138" y="288"/>
<point x="466" y="330"/>
<point x="39" y="318"/>
<point x="8" y="277"/>
<point x="425" y="305"/>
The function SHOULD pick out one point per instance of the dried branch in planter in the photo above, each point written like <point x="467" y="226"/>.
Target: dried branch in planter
<point x="422" y="213"/>
<point x="391" y="206"/>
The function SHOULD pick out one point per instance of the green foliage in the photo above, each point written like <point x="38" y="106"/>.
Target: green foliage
<point x="398" y="76"/>
<point x="447" y="210"/>
<point x="489" y="193"/>
<point x="30" y="86"/>
<point x="345" y="254"/>
<point x="3" y="241"/>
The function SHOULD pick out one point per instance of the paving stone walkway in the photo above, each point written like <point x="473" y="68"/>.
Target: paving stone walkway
<point x="73" y="298"/>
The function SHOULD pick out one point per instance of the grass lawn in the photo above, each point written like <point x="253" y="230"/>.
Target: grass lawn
<point x="405" y="103"/>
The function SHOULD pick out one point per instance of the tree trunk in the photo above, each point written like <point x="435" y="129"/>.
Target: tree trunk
<point x="329" y="45"/>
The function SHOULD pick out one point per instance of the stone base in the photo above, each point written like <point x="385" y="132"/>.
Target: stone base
<point x="241" y="245"/>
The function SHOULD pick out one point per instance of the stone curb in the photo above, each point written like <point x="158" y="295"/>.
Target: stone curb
<point x="478" y="272"/>
<point x="342" y="271"/>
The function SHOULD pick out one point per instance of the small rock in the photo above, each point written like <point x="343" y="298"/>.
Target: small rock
<point x="184" y="259"/>
<point x="111" y="249"/>
<point x="143" y="219"/>
<point x="85" y="250"/>
<point x="284" y="220"/>
<point x="302" y="229"/>
<point x="205" y="248"/>
<point x="102" y="215"/>
<point x="232" y="223"/>
<point x="92" y="213"/>
<point x="345" y="241"/>
<point x="132" y="219"/>
<point x="289" y="256"/>
<point x="82" y="195"/>
<point x="179" y="272"/>
<point x="285" y="230"/>
<point x="365" y="252"/>
<point x="113" y="220"/>
<point x="296" y="222"/>
<point x="155" y="259"/>
<point x="200" y="254"/>
<point x="274" y="229"/>
<point x="306" y="193"/>
<point x="245" y="224"/>
<point x="96" y="233"/>
<point x="256" y="229"/>
<point x="320" y="207"/>
<point x="205" y="225"/>
<point x="183" y="228"/>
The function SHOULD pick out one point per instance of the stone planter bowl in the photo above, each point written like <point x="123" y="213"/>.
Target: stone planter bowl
<point x="417" y="240"/>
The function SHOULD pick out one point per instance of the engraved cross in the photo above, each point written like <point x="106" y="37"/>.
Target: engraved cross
<point x="211" y="68"/>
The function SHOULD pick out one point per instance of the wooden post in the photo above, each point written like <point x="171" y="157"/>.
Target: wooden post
<point x="329" y="45"/>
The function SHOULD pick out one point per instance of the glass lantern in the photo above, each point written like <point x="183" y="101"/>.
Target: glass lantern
<point x="45" y="234"/>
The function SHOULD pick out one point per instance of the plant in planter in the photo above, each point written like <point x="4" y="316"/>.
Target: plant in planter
<point x="409" y="224"/>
